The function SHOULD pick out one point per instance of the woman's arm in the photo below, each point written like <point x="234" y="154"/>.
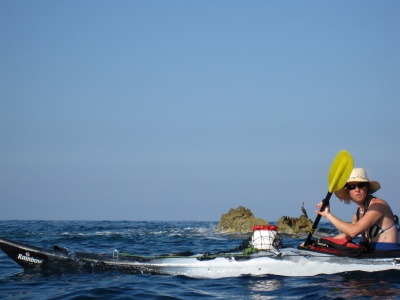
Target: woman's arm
<point x="345" y="236"/>
<point x="372" y="216"/>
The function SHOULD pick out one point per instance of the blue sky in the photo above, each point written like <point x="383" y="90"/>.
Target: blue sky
<point x="181" y="110"/>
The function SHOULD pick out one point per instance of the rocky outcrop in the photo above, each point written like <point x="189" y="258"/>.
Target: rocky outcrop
<point x="294" y="225"/>
<point x="239" y="220"/>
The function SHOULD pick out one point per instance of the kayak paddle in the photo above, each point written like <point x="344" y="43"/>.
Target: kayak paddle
<point x="338" y="175"/>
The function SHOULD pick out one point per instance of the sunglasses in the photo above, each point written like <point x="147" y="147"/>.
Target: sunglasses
<point x="360" y="185"/>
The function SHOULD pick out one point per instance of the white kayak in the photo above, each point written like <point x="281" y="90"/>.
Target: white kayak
<point x="286" y="261"/>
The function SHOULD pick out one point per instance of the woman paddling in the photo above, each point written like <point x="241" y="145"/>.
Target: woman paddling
<point x="374" y="219"/>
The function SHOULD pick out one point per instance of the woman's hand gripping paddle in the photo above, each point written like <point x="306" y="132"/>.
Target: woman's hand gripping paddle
<point x="338" y="174"/>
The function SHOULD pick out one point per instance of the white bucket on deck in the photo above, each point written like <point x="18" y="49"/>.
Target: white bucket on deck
<point x="264" y="236"/>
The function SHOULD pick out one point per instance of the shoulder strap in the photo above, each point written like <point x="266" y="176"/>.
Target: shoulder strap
<point x="366" y="205"/>
<point x="364" y="240"/>
<point x="368" y="201"/>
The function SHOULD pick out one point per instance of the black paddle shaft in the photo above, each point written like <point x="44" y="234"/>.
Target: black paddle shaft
<point x="325" y="203"/>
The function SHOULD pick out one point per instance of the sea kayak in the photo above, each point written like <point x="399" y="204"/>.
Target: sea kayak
<point x="286" y="261"/>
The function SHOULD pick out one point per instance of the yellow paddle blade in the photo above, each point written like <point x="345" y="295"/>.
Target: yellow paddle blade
<point x="340" y="171"/>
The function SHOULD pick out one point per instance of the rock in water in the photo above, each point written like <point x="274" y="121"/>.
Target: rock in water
<point x="239" y="220"/>
<point x="294" y="225"/>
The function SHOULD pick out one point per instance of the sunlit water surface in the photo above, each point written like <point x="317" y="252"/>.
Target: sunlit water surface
<point x="151" y="238"/>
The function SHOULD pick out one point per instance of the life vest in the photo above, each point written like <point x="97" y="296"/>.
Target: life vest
<point x="340" y="247"/>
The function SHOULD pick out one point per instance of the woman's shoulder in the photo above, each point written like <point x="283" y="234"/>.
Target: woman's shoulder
<point x="380" y="203"/>
<point x="376" y="200"/>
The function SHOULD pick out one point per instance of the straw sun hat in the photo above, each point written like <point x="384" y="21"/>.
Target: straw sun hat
<point x="357" y="175"/>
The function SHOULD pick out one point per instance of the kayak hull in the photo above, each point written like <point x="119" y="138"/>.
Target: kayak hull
<point x="285" y="262"/>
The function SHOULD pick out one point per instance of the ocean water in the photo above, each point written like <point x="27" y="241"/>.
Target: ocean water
<point x="152" y="238"/>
